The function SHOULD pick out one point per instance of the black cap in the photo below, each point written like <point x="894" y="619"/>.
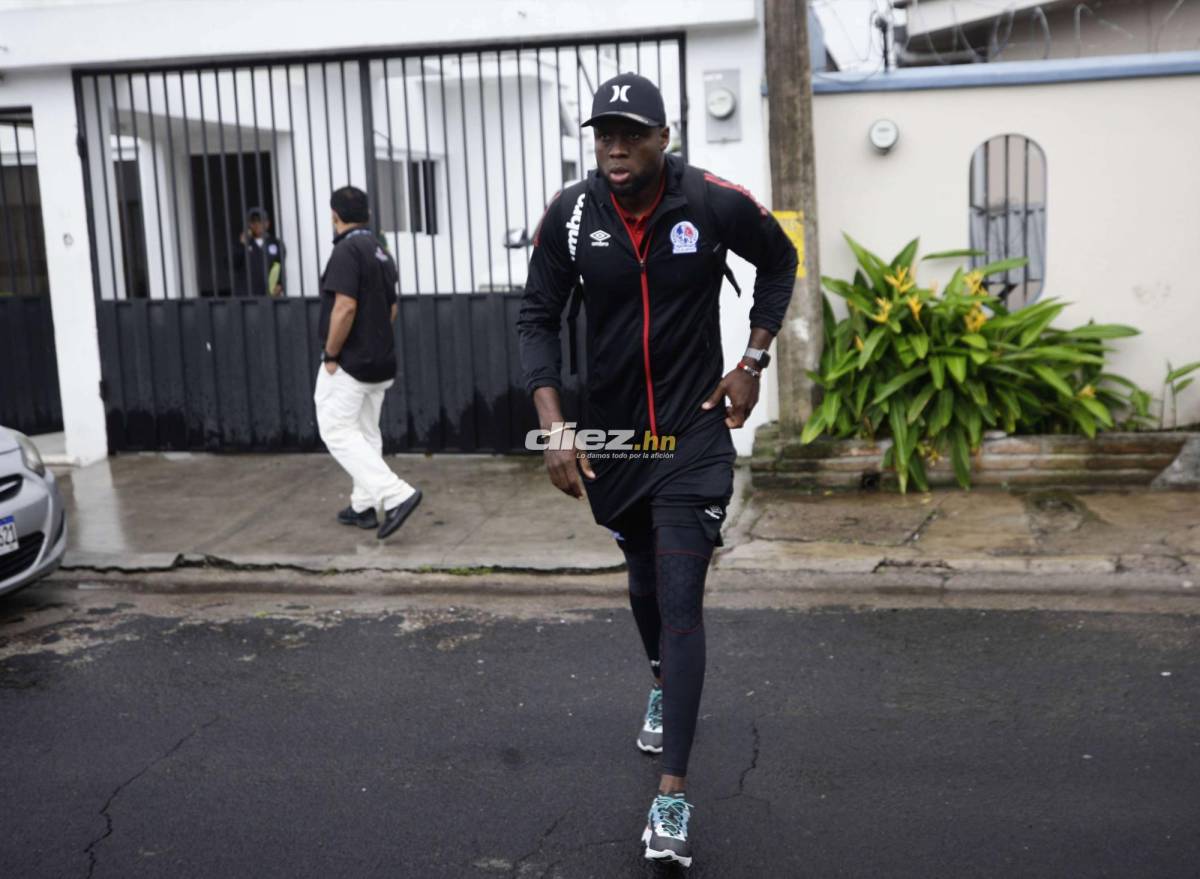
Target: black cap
<point x="629" y="96"/>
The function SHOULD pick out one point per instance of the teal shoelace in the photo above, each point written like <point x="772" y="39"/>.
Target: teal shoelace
<point x="671" y="814"/>
<point x="654" y="708"/>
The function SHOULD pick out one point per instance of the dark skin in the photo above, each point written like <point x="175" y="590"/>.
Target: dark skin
<point x="632" y="158"/>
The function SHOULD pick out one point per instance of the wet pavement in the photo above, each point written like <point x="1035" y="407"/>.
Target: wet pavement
<point x="164" y="512"/>
<point x="360" y="736"/>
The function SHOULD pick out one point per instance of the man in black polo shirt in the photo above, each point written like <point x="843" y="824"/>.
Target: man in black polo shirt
<point x="358" y="365"/>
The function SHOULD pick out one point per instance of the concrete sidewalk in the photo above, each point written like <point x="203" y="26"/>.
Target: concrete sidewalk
<point x="155" y="512"/>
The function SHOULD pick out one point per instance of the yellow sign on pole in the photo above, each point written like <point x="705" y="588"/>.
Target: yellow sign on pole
<point x="793" y="225"/>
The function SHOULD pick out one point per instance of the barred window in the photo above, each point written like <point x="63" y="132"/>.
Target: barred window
<point x="1008" y="215"/>
<point x="408" y="199"/>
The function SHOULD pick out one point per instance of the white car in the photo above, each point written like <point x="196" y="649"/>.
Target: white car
<point x="33" y="522"/>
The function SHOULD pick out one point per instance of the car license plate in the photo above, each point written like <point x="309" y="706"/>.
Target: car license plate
<point x="8" y="535"/>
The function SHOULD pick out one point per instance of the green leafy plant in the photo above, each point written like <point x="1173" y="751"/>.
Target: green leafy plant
<point x="934" y="371"/>
<point x="1175" y="384"/>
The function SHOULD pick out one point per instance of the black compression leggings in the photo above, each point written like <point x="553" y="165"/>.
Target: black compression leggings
<point x="666" y="592"/>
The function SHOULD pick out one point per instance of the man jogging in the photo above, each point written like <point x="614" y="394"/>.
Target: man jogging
<point x="358" y="365"/>
<point x="648" y="236"/>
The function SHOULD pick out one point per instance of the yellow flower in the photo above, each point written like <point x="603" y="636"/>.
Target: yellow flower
<point x="902" y="281"/>
<point x="914" y="305"/>
<point x="974" y="282"/>
<point x="974" y="319"/>
<point x="858" y="343"/>
<point x="933" y="288"/>
<point x="933" y="455"/>
<point x="1087" y="392"/>
<point x="885" y="309"/>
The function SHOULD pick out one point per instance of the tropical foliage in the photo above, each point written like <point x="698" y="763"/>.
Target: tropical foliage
<point x="934" y="371"/>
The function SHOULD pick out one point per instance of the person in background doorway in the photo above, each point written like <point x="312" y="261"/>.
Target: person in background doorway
<point x="358" y="365"/>
<point x="259" y="257"/>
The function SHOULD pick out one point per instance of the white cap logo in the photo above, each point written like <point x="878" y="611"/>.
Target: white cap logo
<point x="620" y="93"/>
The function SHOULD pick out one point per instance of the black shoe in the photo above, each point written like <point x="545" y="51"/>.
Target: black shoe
<point x="365" y="519"/>
<point x="394" y="518"/>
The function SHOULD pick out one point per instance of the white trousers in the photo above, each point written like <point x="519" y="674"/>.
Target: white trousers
<point x="348" y="419"/>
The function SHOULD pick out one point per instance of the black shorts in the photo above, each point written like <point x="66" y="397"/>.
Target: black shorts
<point x="697" y="496"/>
<point x="638" y="495"/>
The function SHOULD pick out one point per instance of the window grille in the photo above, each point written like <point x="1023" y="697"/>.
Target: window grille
<point x="1008" y="215"/>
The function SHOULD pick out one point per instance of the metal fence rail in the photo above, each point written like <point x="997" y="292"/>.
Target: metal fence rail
<point x="459" y="150"/>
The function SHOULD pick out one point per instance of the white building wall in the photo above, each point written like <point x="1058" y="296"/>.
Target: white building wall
<point x="65" y="228"/>
<point x="1123" y="197"/>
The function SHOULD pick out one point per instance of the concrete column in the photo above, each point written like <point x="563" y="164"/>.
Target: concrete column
<point x="743" y="162"/>
<point x="68" y="258"/>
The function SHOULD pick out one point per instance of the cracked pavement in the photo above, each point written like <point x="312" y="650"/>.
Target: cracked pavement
<point x="438" y="734"/>
<point x="124" y="515"/>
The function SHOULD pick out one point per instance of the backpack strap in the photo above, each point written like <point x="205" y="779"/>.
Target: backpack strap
<point x="695" y="189"/>
<point x="576" y="301"/>
<point x="576" y="298"/>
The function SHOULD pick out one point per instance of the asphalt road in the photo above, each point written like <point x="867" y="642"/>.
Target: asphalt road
<point x="324" y="738"/>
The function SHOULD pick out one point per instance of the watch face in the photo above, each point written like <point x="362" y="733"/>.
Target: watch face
<point x="764" y="361"/>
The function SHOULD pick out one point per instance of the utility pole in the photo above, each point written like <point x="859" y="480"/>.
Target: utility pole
<point x="794" y="193"/>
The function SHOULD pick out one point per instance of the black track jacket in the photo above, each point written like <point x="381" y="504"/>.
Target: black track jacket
<point x="653" y="324"/>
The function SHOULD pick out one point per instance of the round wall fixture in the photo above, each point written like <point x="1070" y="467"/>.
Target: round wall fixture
<point x="883" y="134"/>
<point x="721" y="103"/>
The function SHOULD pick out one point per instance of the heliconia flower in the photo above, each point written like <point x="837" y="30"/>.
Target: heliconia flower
<point x="858" y="343"/>
<point x="902" y="281"/>
<point x="1087" y="392"/>
<point x="914" y="305"/>
<point x="885" y="309"/>
<point x="974" y="282"/>
<point x="974" y="319"/>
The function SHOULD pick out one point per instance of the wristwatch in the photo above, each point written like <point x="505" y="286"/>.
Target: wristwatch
<point x="326" y="357"/>
<point x="759" y="356"/>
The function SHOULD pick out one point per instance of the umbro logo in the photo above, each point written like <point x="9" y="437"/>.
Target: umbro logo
<point x="600" y="238"/>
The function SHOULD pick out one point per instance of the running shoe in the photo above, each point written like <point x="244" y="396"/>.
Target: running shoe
<point x="649" y="739"/>
<point x="666" y="833"/>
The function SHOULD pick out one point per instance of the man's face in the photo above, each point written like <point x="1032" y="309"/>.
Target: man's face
<point x="630" y="156"/>
<point x="258" y="227"/>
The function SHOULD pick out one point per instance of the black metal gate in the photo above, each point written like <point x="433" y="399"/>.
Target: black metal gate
<point x="29" y="398"/>
<point x="459" y="150"/>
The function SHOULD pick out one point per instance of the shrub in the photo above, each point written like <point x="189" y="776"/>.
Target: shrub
<point x="932" y="372"/>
